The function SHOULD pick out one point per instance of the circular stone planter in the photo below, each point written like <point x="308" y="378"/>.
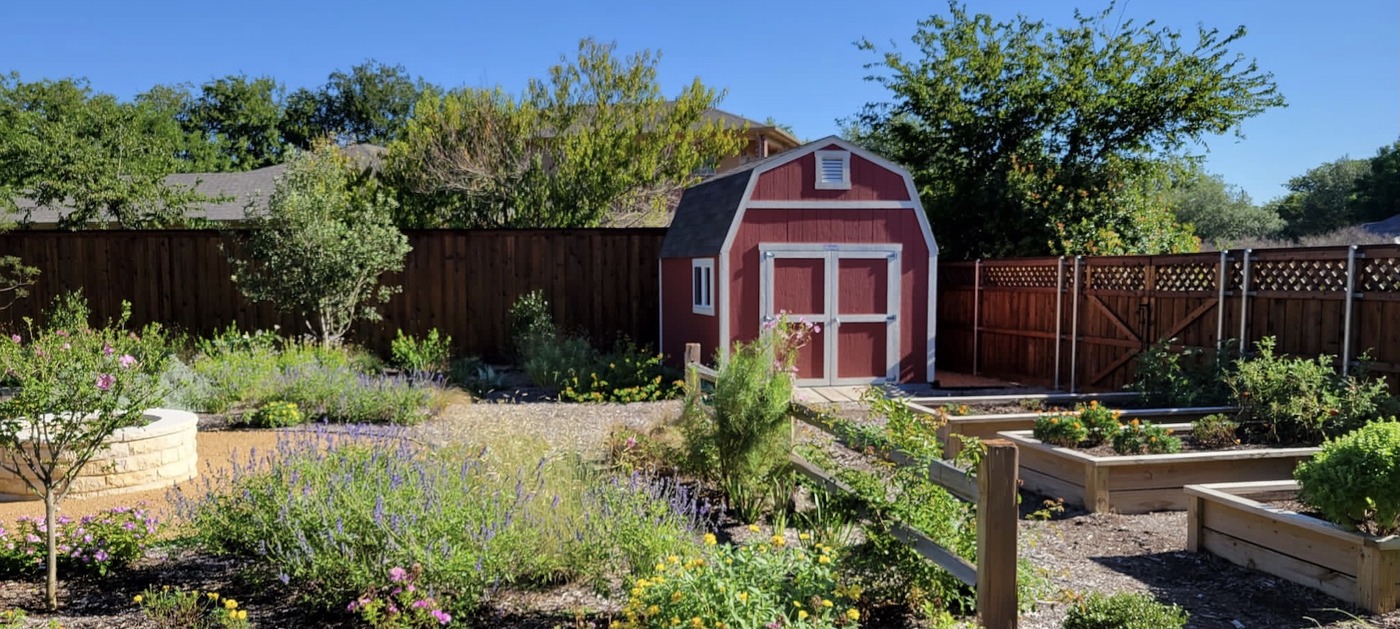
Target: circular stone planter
<point x="158" y="454"/>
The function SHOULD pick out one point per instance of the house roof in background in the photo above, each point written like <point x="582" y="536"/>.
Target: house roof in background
<point x="1387" y="227"/>
<point x="735" y="120"/>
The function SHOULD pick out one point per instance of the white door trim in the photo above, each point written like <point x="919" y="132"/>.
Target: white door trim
<point x="830" y="319"/>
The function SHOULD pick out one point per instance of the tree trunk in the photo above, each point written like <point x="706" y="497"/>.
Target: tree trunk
<point x="51" y="533"/>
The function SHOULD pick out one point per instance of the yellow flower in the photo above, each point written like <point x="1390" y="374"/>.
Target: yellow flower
<point x="230" y="603"/>
<point x="675" y="621"/>
<point x="778" y="540"/>
<point x="853" y="614"/>
<point x="743" y="597"/>
<point x="660" y="567"/>
<point x="802" y="615"/>
<point x="673" y="559"/>
<point x="214" y="595"/>
<point x="753" y="528"/>
<point x="710" y="539"/>
<point x="138" y="598"/>
<point x="696" y="622"/>
<point x="653" y="610"/>
<point x="823" y="560"/>
<point x="797" y="604"/>
<point x="854" y="591"/>
<point x="826" y="603"/>
<point x="676" y="596"/>
<point x="242" y="614"/>
<point x="803" y="536"/>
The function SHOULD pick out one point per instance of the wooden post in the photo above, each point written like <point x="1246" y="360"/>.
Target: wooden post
<point x="1195" y="522"/>
<point x="692" y="378"/>
<point x="1375" y="579"/>
<point x="996" y="535"/>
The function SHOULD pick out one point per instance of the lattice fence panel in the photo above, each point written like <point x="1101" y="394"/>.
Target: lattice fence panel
<point x="1018" y="276"/>
<point x="1117" y="278"/>
<point x="1185" y="278"/>
<point x="1379" y="275"/>
<point x="1314" y="276"/>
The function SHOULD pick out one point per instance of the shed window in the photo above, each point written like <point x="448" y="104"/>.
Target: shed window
<point x="833" y="170"/>
<point x="702" y="274"/>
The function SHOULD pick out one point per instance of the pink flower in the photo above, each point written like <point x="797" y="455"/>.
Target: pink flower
<point x="107" y="349"/>
<point x="421" y="604"/>
<point x="442" y="616"/>
<point x="397" y="575"/>
<point x="817" y="329"/>
<point x="126" y="361"/>
<point x="62" y="333"/>
<point x="16" y="338"/>
<point x="105" y="381"/>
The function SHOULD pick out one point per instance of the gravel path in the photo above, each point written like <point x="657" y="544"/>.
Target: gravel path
<point x="562" y="427"/>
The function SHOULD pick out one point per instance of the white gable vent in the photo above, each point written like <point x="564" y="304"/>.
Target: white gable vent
<point x="833" y="170"/>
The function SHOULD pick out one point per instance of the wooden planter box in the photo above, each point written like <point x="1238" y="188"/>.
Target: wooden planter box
<point x="1144" y="482"/>
<point x="987" y="426"/>
<point x="1227" y="520"/>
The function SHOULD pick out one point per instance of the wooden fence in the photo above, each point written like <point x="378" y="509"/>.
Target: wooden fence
<point x="1077" y="323"/>
<point x="463" y="282"/>
<point x="993" y="491"/>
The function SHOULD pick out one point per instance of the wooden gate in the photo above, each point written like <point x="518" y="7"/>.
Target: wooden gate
<point x="1115" y="319"/>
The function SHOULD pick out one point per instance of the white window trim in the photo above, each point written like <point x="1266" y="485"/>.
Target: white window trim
<point x="845" y="183"/>
<point x="706" y="306"/>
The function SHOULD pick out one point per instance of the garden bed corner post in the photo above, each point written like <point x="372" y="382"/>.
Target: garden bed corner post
<point x="692" y="358"/>
<point x="996" y="535"/>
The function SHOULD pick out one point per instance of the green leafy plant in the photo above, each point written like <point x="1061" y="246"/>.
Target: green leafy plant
<point x="626" y="374"/>
<point x="1061" y="429"/>
<point x="1101" y="421"/>
<point x="432" y="354"/>
<point x="1186" y="378"/>
<point x="1124" y="611"/>
<point x="1139" y="437"/>
<point x="766" y="583"/>
<point x="13" y="618"/>
<point x="173" y="608"/>
<point x="1215" y="431"/>
<point x="1353" y="480"/>
<point x="276" y="415"/>
<point x="1295" y="400"/>
<point x="76" y="387"/>
<point x="530" y="323"/>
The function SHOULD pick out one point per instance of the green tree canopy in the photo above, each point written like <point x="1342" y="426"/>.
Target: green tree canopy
<point x="1377" y="194"/>
<point x="1029" y="140"/>
<point x="86" y="155"/>
<point x="323" y="244"/>
<point x="369" y="103"/>
<point x="1320" y="200"/>
<point x="1220" y="213"/>
<point x="240" y="116"/>
<point x="595" y="142"/>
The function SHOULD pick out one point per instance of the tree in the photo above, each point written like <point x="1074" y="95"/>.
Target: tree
<point x="1029" y="140"/>
<point x="596" y="142"/>
<point x="1377" y="191"/>
<point x="1320" y="200"/>
<point x="15" y="280"/>
<point x="240" y="116"/>
<point x="321" y="246"/>
<point x="1220" y="213"/>
<point x="76" y="387"/>
<point x="91" y="158"/>
<point x="168" y="107"/>
<point x="370" y="103"/>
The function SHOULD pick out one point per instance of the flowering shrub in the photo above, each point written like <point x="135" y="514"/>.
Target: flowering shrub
<point x="276" y="415"/>
<point x="400" y="604"/>
<point x="956" y="411"/>
<point x="328" y="510"/>
<point x="1101" y="421"/>
<point x="1139" y="437"/>
<point x="1064" y="430"/>
<point x="168" y="608"/>
<point x="97" y="543"/>
<point x="768" y="584"/>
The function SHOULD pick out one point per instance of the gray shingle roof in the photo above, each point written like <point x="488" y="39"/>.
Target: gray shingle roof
<point x="704" y="214"/>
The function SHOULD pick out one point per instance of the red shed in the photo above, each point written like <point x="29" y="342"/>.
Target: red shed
<point x="826" y="231"/>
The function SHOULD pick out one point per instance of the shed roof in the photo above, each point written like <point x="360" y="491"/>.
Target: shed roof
<point x="704" y="214"/>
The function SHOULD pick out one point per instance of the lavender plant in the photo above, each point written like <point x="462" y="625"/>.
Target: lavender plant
<point x="76" y="387"/>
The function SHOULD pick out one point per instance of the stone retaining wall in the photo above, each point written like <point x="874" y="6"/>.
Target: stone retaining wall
<point x="158" y="454"/>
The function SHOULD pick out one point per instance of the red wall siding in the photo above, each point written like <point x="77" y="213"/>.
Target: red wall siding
<point x="797" y="180"/>
<point x="680" y="325"/>
<point x="833" y="226"/>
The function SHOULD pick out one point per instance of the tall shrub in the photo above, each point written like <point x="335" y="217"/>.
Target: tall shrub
<point x="75" y="388"/>
<point x="323" y="243"/>
<point x="1355" y="480"/>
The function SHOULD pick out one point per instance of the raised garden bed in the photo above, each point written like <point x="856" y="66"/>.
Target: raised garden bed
<point x="1144" y="482"/>
<point x="1230" y="520"/>
<point x="986" y="426"/>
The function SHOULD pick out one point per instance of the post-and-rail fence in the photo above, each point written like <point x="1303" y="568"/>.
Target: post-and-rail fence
<point x="1078" y="323"/>
<point x="992" y="490"/>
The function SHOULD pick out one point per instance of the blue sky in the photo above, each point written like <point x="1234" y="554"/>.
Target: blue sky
<point x="1337" y="62"/>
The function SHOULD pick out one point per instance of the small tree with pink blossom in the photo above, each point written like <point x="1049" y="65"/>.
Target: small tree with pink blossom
<point x="75" y="388"/>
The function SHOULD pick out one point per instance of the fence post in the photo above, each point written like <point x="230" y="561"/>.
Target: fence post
<point x="1346" y="318"/>
<point x="976" y="314"/>
<point x="996" y="535"/>
<point x="1074" y="326"/>
<point x="692" y="377"/>
<point x="1222" y="281"/>
<point x="1244" y="300"/>
<point x="1059" y="315"/>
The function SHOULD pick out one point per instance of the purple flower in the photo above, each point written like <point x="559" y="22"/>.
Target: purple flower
<point x="105" y="381"/>
<point x="421" y="604"/>
<point x="101" y="555"/>
<point x="107" y="349"/>
<point x="397" y="574"/>
<point x="442" y="616"/>
<point x="126" y="361"/>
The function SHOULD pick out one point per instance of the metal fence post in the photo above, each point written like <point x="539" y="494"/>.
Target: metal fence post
<point x="1244" y="300"/>
<point x="1074" y="325"/>
<point x="1346" y="317"/>
<point x="1222" y="280"/>
<point x="976" y="315"/>
<point x="1059" y="315"/>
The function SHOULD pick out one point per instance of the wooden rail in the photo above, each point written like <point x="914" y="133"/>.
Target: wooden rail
<point x="993" y="492"/>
